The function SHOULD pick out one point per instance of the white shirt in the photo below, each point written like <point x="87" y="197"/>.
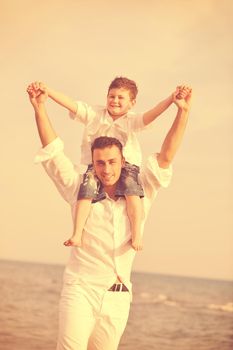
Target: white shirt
<point x="106" y="251"/>
<point x="98" y="122"/>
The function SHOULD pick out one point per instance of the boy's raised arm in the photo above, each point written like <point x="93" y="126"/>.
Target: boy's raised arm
<point x="57" y="96"/>
<point x="175" y="134"/>
<point x="152" y="114"/>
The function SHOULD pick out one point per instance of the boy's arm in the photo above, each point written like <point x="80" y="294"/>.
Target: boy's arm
<point x="151" y="115"/>
<point x="63" y="100"/>
<point x="175" y="134"/>
<point x="57" y="96"/>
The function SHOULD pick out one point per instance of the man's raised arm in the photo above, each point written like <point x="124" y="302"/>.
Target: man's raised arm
<point x="175" y="134"/>
<point x="45" y="129"/>
<point x="57" y="165"/>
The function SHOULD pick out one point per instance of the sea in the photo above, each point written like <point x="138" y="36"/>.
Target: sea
<point x="167" y="312"/>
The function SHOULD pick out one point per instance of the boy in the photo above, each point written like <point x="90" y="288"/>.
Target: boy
<point x="114" y="120"/>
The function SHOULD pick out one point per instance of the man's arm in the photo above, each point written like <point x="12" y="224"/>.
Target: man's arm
<point x="151" y="115"/>
<point x="59" y="168"/>
<point x="44" y="126"/>
<point x="175" y="134"/>
<point x="57" y="96"/>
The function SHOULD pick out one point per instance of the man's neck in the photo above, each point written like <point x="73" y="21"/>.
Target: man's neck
<point x="111" y="190"/>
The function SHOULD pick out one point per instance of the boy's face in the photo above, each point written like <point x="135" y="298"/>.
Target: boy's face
<point x="107" y="164"/>
<point x="119" y="102"/>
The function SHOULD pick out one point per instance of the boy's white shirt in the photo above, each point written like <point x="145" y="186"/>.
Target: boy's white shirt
<point x="98" y="122"/>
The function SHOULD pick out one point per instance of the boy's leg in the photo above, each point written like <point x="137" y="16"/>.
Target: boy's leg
<point x="90" y="191"/>
<point x="82" y="211"/>
<point x="134" y="211"/>
<point x="130" y="187"/>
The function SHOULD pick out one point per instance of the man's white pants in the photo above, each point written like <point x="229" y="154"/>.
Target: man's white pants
<point x="90" y="320"/>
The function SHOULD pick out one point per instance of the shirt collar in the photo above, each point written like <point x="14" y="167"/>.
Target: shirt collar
<point x="119" y="199"/>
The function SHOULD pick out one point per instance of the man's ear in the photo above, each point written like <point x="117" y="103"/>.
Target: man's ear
<point x="93" y="168"/>
<point x="123" y="161"/>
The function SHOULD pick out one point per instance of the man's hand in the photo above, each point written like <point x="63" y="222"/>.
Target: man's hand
<point x="38" y="93"/>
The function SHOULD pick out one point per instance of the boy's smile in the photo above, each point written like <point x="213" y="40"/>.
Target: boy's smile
<point x="119" y="102"/>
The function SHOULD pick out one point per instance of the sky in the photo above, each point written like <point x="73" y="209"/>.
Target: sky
<point x="79" y="47"/>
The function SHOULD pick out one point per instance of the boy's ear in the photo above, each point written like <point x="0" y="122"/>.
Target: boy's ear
<point x="133" y="102"/>
<point x="123" y="161"/>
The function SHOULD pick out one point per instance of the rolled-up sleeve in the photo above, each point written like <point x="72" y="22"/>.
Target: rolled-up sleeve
<point x="136" y="122"/>
<point x="84" y="113"/>
<point x="49" y="151"/>
<point x="60" y="169"/>
<point x="153" y="177"/>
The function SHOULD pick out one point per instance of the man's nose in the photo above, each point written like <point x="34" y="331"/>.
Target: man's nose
<point x="107" y="168"/>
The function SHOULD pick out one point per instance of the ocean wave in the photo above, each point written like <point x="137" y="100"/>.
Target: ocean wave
<point x="162" y="299"/>
<point x="145" y="297"/>
<point x="226" y="307"/>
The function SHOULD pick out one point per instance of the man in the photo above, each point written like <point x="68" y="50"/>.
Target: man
<point x="96" y="294"/>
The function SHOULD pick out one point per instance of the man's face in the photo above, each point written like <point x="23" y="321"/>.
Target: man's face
<point x="119" y="102"/>
<point x="107" y="163"/>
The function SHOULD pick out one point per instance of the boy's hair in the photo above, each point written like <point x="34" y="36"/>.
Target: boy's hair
<point x="105" y="141"/>
<point x="125" y="83"/>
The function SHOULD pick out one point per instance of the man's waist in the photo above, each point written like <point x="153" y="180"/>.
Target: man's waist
<point x="118" y="287"/>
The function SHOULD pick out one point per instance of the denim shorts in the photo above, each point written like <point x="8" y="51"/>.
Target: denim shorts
<point x="128" y="184"/>
<point x="91" y="187"/>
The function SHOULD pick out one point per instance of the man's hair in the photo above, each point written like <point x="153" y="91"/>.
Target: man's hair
<point x="125" y="83"/>
<point x="105" y="141"/>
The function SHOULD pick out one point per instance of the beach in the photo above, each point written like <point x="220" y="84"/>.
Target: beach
<point x="167" y="312"/>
